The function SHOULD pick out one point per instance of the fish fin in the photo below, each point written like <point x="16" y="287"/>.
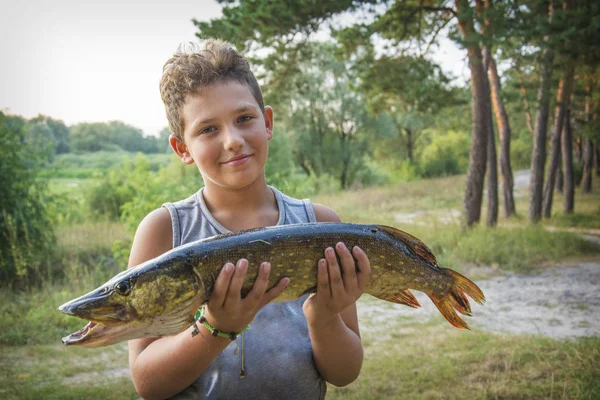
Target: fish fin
<point x="455" y="299"/>
<point x="415" y="244"/>
<point x="403" y="296"/>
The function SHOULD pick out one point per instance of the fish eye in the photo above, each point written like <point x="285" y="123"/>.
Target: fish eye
<point x="123" y="288"/>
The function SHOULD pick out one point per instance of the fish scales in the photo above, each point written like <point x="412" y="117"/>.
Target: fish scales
<point x="293" y="253"/>
<point x="160" y="296"/>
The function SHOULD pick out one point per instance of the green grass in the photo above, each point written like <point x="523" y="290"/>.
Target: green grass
<point x="432" y="361"/>
<point x="59" y="372"/>
<point x="91" y="235"/>
<point x="405" y="358"/>
<point x="83" y="260"/>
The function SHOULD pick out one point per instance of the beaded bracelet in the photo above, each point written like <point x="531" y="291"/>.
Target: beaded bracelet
<point x="214" y="331"/>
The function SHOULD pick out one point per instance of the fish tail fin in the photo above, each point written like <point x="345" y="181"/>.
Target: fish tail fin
<point x="455" y="299"/>
<point x="403" y="296"/>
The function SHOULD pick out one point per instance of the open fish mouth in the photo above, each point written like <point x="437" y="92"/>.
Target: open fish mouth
<point x="96" y="334"/>
<point x="85" y="334"/>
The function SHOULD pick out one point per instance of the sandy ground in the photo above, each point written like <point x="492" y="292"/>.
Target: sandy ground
<point x="560" y="302"/>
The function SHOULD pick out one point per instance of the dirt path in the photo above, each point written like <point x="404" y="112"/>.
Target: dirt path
<point x="560" y="302"/>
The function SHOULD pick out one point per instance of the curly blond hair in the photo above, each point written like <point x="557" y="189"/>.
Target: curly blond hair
<point x="194" y="66"/>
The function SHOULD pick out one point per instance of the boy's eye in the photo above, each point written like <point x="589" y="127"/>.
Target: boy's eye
<point x="209" y="129"/>
<point x="245" y="118"/>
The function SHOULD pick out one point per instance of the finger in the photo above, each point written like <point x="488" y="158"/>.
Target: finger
<point x="364" y="267"/>
<point x="259" y="287"/>
<point x="237" y="281"/>
<point x="274" y="292"/>
<point x="217" y="298"/>
<point x="323" y="287"/>
<point x="348" y="267"/>
<point x="335" y="275"/>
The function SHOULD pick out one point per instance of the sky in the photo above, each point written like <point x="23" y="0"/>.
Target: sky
<point x="92" y="61"/>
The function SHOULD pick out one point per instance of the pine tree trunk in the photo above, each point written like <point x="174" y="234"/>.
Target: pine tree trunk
<point x="559" y="174"/>
<point x="492" y="166"/>
<point x="504" y="133"/>
<point x="562" y="103"/>
<point x="538" y="156"/>
<point x="597" y="160"/>
<point x="588" y="149"/>
<point x="578" y="151"/>
<point x="586" y="183"/>
<point x="480" y="121"/>
<point x="567" y="152"/>
<point x="492" y="175"/>
<point x="409" y="144"/>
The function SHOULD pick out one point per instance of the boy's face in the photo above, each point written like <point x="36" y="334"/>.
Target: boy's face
<point x="225" y="135"/>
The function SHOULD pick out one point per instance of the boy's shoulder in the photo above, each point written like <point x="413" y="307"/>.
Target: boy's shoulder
<point x="152" y="238"/>
<point x="325" y="214"/>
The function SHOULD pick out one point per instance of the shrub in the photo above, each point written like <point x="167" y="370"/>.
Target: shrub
<point x="26" y="232"/>
<point x="446" y="155"/>
<point x="520" y="152"/>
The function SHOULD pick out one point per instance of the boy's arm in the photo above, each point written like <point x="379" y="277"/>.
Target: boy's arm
<point x="162" y="367"/>
<point x="331" y="312"/>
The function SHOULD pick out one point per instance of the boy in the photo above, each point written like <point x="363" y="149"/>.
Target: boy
<point x="219" y="122"/>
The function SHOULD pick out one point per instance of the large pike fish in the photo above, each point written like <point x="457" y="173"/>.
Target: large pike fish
<point x="160" y="297"/>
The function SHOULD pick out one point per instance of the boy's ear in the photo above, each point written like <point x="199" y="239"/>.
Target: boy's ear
<point x="180" y="149"/>
<point x="269" y="121"/>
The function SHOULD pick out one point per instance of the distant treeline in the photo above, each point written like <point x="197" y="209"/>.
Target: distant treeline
<point x="55" y="137"/>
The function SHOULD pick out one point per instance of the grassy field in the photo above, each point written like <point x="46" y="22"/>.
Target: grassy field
<point x="404" y="357"/>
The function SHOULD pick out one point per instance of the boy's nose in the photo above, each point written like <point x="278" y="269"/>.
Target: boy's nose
<point x="233" y="139"/>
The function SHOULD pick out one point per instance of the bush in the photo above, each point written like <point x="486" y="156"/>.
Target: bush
<point x="520" y="152"/>
<point x="26" y="232"/>
<point x="300" y="185"/>
<point x="446" y="155"/>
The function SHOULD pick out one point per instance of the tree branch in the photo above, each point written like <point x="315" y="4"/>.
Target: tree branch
<point x="435" y="36"/>
<point x="440" y="9"/>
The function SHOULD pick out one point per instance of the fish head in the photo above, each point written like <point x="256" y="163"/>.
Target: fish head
<point x="153" y="299"/>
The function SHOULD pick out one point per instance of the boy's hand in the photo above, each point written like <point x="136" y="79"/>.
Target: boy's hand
<point x="226" y="310"/>
<point x="337" y="291"/>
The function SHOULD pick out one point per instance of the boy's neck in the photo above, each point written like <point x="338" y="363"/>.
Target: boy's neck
<point x="237" y="209"/>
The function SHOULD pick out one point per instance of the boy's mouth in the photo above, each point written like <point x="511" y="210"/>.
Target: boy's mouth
<point x="238" y="160"/>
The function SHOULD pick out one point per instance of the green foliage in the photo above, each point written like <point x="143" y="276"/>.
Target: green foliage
<point x="112" y="136"/>
<point x="520" y="152"/>
<point x="280" y="163"/>
<point x="330" y="131"/>
<point x="446" y="155"/>
<point x="150" y="190"/>
<point x="26" y="232"/>
<point x="247" y="20"/>
<point x="303" y="186"/>
<point x="513" y="249"/>
<point x="86" y="164"/>
<point x="59" y="133"/>
<point x="40" y="136"/>
<point x="131" y="190"/>
<point x="407" y="84"/>
<point x="405" y="171"/>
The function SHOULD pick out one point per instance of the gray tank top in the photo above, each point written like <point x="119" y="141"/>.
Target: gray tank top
<point x="277" y="353"/>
